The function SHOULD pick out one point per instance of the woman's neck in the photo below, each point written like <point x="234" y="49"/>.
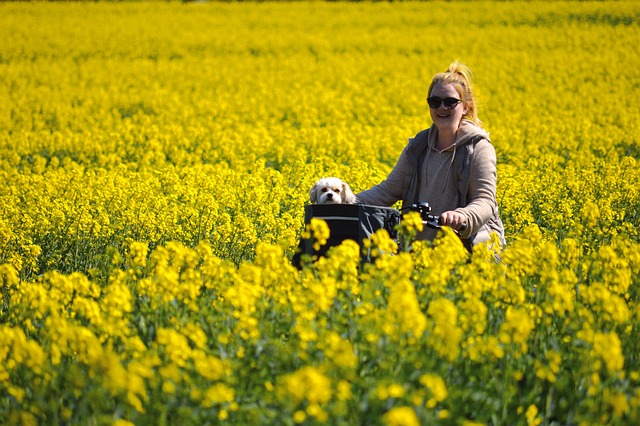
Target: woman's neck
<point x="445" y="140"/>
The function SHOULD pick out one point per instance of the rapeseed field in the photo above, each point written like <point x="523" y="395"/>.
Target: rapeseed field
<point x="155" y="161"/>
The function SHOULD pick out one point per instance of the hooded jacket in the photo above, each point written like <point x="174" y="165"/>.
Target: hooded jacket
<point x="462" y="177"/>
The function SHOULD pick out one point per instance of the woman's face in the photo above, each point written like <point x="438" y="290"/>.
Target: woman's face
<point x="446" y="119"/>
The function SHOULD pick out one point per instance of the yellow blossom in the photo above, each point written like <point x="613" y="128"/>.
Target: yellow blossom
<point x="401" y="416"/>
<point x="446" y="335"/>
<point x="607" y="347"/>
<point x="217" y="394"/>
<point x="308" y="383"/>
<point x="437" y="388"/>
<point x="319" y="231"/>
<point x="532" y="416"/>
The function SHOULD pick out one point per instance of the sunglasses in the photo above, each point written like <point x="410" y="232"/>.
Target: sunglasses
<point x="449" y="103"/>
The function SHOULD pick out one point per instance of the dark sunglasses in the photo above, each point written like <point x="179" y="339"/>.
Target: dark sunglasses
<point x="449" y="103"/>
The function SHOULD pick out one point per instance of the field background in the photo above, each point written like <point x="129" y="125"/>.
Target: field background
<point x="155" y="159"/>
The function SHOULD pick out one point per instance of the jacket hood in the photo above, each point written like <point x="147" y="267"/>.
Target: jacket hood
<point x="466" y="132"/>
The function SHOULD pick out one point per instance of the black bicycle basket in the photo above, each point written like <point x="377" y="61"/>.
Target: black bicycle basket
<point x="355" y="222"/>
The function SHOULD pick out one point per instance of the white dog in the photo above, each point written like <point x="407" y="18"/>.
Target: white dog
<point x="331" y="190"/>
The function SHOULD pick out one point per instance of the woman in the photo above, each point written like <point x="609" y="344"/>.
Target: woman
<point x="451" y="165"/>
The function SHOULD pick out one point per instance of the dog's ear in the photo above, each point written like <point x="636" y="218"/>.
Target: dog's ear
<point x="348" y="196"/>
<point x="313" y="193"/>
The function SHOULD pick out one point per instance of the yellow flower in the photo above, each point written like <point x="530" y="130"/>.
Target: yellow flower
<point x="608" y="348"/>
<point x="548" y="369"/>
<point x="338" y="351"/>
<point x="16" y="350"/>
<point x="196" y="335"/>
<point x="176" y="346"/>
<point x="308" y="383"/>
<point x="401" y="416"/>
<point x="412" y="221"/>
<point x="315" y="410"/>
<point x="612" y="306"/>
<point x="138" y="252"/>
<point x="16" y="392"/>
<point x="208" y="367"/>
<point x="169" y="387"/>
<point x="532" y="416"/>
<point x="299" y="416"/>
<point x="217" y="394"/>
<point x="617" y="401"/>
<point x="446" y="335"/>
<point x="473" y="315"/>
<point x="516" y="329"/>
<point x="318" y="230"/>
<point x="395" y="390"/>
<point x="471" y="423"/>
<point x="343" y="392"/>
<point x="403" y="316"/>
<point x="590" y="214"/>
<point x="382" y="243"/>
<point x="437" y="388"/>
<point x="23" y="418"/>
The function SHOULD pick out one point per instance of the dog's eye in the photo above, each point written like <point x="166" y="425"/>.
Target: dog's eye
<point x="337" y="190"/>
<point x="325" y="189"/>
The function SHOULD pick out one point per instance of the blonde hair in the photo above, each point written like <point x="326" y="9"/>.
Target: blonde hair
<point x="460" y="76"/>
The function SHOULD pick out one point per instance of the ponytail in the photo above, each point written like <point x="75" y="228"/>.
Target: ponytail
<point x="461" y="77"/>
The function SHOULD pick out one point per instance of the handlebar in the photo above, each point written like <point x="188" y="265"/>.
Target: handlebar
<point x="430" y="220"/>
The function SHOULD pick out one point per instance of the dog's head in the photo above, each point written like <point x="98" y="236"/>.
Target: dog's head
<point x="331" y="191"/>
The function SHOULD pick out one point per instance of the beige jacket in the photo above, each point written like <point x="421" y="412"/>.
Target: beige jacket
<point x="462" y="178"/>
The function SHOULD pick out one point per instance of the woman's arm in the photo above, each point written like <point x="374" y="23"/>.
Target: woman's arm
<point x="389" y="191"/>
<point x="482" y="189"/>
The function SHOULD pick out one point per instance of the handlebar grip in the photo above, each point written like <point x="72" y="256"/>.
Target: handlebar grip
<point x="463" y="227"/>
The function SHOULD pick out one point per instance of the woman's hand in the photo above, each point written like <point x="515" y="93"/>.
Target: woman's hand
<point x="455" y="220"/>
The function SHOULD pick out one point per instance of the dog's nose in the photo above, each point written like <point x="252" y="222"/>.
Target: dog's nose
<point x="330" y="196"/>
